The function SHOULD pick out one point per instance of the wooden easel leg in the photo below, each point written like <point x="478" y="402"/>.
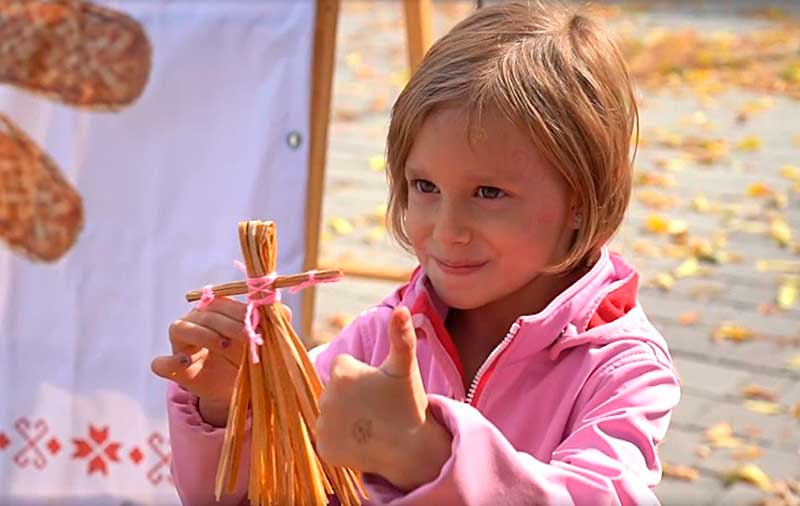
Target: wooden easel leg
<point x="419" y="30"/>
<point x="323" y="64"/>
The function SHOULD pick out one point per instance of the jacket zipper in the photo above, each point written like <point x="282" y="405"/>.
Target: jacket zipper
<point x="473" y="387"/>
<point x="498" y="350"/>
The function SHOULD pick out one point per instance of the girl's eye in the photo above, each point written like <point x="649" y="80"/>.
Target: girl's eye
<point x="424" y="186"/>
<point x="490" y="192"/>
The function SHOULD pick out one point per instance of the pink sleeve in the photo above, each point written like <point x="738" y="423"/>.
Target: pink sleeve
<point x="195" y="450"/>
<point x="609" y="457"/>
<point x="196" y="445"/>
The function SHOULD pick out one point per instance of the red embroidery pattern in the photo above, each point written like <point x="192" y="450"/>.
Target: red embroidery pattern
<point x="31" y="435"/>
<point x="83" y="449"/>
<point x="35" y="444"/>
<point x="158" y="444"/>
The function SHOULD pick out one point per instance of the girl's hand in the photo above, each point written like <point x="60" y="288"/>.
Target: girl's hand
<point x="207" y="347"/>
<point x="375" y="420"/>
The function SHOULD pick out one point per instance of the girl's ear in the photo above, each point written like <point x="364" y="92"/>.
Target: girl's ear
<point x="577" y="220"/>
<point x="576" y="213"/>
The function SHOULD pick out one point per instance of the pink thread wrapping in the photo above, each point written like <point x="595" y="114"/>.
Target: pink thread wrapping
<point x="255" y="286"/>
<point x="206" y="298"/>
<point x="313" y="280"/>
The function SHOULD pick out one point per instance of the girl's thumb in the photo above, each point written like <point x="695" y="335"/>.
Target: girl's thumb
<point x="402" y="345"/>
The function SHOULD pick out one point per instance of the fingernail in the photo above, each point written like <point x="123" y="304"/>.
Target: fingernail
<point x="184" y="360"/>
<point x="225" y="342"/>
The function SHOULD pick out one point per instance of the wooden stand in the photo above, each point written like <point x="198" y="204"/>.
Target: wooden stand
<point x="419" y="33"/>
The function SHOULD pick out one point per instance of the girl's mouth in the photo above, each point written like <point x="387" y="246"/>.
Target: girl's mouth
<point x="458" y="268"/>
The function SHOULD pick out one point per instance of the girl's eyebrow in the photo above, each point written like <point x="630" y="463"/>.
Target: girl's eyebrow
<point x="482" y="177"/>
<point x="412" y="172"/>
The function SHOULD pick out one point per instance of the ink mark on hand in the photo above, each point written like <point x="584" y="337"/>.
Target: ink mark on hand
<point x="362" y="430"/>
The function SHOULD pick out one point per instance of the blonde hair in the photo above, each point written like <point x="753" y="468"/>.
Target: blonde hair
<point x="553" y="72"/>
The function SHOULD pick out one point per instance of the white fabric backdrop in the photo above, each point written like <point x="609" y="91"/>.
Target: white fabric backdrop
<point x="164" y="184"/>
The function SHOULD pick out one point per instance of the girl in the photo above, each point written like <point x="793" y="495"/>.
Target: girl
<point x="515" y="367"/>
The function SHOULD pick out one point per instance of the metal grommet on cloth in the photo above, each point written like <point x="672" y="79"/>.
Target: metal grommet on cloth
<point x="294" y="139"/>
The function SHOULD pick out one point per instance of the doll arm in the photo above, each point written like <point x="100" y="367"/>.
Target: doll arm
<point x="609" y="456"/>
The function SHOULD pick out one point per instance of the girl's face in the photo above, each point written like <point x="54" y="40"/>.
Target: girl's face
<point x="483" y="219"/>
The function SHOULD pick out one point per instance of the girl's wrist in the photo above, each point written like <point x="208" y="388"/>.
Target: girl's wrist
<point x="214" y="414"/>
<point x="421" y="461"/>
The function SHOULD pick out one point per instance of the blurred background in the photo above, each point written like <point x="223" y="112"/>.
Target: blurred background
<point x="712" y="225"/>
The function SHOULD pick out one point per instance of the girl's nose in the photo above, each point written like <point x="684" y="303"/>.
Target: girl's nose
<point x="451" y="225"/>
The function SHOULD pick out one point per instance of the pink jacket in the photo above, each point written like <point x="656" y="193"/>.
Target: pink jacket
<point x="569" y="409"/>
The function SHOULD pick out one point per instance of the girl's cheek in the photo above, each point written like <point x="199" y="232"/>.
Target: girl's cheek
<point x="548" y="217"/>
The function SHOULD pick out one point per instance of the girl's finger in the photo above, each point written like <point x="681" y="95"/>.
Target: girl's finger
<point x="219" y="323"/>
<point x="236" y="310"/>
<point x="171" y="366"/>
<point x="184" y="333"/>
<point x="231" y="308"/>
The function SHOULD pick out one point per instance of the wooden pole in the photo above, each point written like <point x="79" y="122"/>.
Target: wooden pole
<point x="323" y="63"/>
<point x="359" y="269"/>
<point x="419" y="30"/>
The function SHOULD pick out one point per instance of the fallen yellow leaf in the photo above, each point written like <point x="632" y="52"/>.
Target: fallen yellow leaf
<point x="668" y="138"/>
<point x="646" y="248"/>
<point x="702" y="451"/>
<point x="653" y="178"/>
<point x="710" y="152"/>
<point x="689" y="267"/>
<point x="796" y="140"/>
<point x="353" y="59"/>
<point x="763" y="407"/>
<point x="794" y="362"/>
<point x="796" y="410"/>
<point x="758" y="190"/>
<point x="758" y="392"/>
<point x="677" y="227"/>
<point x="752" y="474"/>
<point x="657" y="224"/>
<point x="679" y="472"/>
<point x="790" y="172"/>
<point x="721" y="436"/>
<point x="377" y="163"/>
<point x="701" y="204"/>
<point x="787" y="292"/>
<point x="697" y="118"/>
<point x="747" y="453"/>
<point x="664" y="281"/>
<point x="755" y="106"/>
<point x="733" y="333"/>
<point x="375" y="235"/>
<point x="673" y="164"/>
<point x="689" y="318"/>
<point x="656" y="200"/>
<point x="780" y="231"/>
<point x="341" y="226"/>
<point x="789" y="266"/>
<point x="749" y="143"/>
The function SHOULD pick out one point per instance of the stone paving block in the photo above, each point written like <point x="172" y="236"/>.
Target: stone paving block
<point x="739" y="494"/>
<point x="680" y="445"/>
<point x="691" y="340"/>
<point x="792" y="396"/>
<point x="779" y="430"/>
<point x="706" y="378"/>
<point x="672" y="492"/>
<point x="761" y="354"/>
<point x="689" y="408"/>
